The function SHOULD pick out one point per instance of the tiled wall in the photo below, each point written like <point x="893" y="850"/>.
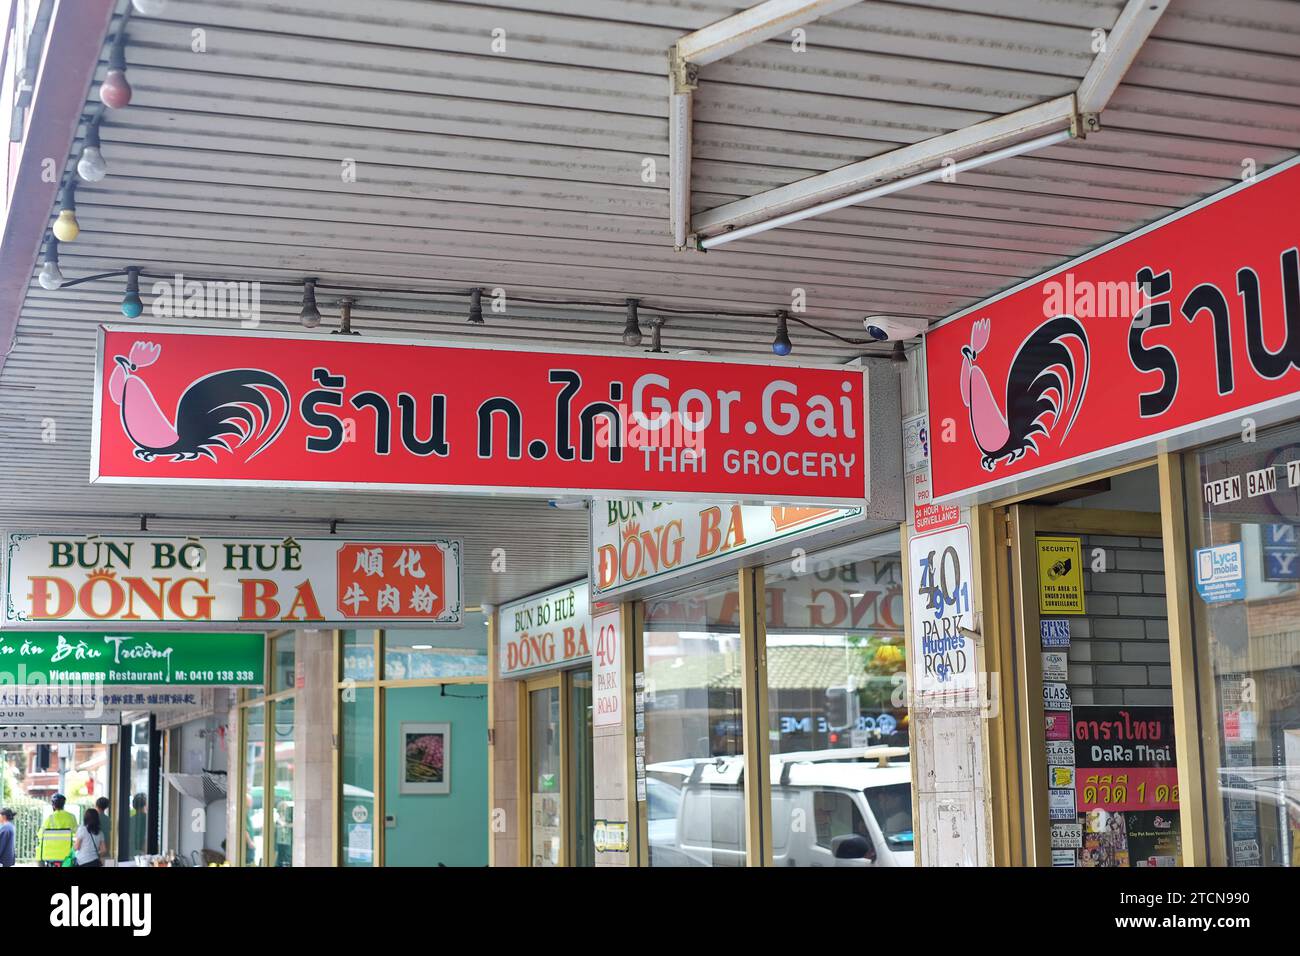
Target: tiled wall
<point x="505" y="822"/>
<point x="1119" y="650"/>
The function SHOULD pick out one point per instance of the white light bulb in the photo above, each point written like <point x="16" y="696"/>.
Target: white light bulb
<point x="91" y="166"/>
<point x="50" y="278"/>
<point x="150" y="8"/>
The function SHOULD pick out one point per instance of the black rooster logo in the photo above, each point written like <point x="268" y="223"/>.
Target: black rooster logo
<point x="1044" y="382"/>
<point x="212" y="412"/>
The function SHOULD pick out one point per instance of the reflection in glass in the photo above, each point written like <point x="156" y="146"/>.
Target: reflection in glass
<point x="583" y="775"/>
<point x="358" y="771"/>
<point x="693" y="733"/>
<point x="424" y="654"/>
<point x="838" y="730"/>
<point x="283" y="662"/>
<point x="1245" y="586"/>
<point x="358" y="655"/>
<point x="139" y="812"/>
<point x="282" y="804"/>
<point x="254" y="782"/>
<point x="545" y="780"/>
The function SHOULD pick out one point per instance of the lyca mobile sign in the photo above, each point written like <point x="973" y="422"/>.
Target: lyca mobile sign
<point x="202" y="407"/>
<point x="155" y="579"/>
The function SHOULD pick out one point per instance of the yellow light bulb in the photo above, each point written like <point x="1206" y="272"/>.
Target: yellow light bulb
<point x="66" y="228"/>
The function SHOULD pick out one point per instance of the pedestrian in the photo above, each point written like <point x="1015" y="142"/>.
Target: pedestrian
<point x="55" y="838"/>
<point x="105" y="824"/>
<point x="7" y="835"/>
<point x="89" y="842"/>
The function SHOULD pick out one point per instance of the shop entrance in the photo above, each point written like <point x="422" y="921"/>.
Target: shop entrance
<point x="1092" y="726"/>
<point x="560" y="773"/>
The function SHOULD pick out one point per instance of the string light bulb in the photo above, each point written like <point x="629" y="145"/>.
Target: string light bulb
<point x="475" y="307"/>
<point x="91" y="166"/>
<point x="66" y="228"/>
<point x="50" y="277"/>
<point x="310" y="315"/>
<point x="132" y="306"/>
<point x="632" y="327"/>
<point x="781" y="344"/>
<point x="115" y="91"/>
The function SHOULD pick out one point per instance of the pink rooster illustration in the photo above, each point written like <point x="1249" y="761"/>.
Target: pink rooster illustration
<point x="221" y="406"/>
<point x="1043" y="382"/>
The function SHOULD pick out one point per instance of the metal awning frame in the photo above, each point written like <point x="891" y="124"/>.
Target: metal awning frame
<point x="1079" y="114"/>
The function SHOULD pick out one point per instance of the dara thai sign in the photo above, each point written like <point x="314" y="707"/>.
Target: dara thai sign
<point x="117" y="658"/>
<point x="636" y="542"/>
<point x="196" y="582"/>
<point x="195" y="407"/>
<point x="1188" y="323"/>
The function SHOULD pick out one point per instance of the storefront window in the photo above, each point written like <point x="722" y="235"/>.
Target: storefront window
<point x="437" y="653"/>
<point x="838" y="730"/>
<point x="254" y="782"/>
<point x="583" y="773"/>
<point x="358" y="768"/>
<point x="283" y="804"/>
<point x="693" y="728"/>
<point x="1244" y="500"/>
<point x="545" y="778"/>
<point x="141" y="813"/>
<point x="283" y="661"/>
<point x="358" y="655"/>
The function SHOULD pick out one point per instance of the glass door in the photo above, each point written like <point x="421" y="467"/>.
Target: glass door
<point x="545" y="777"/>
<point x="581" y="775"/>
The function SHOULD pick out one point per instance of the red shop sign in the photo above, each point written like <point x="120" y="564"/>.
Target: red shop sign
<point x="273" y="409"/>
<point x="1190" y="321"/>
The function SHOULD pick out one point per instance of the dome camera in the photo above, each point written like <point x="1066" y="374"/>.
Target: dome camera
<point x="884" y="328"/>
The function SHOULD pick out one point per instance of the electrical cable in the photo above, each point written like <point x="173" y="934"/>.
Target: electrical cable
<point x="613" y="305"/>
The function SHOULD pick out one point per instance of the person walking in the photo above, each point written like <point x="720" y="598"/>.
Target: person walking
<point x="89" y="843"/>
<point x="105" y="824"/>
<point x="7" y="837"/>
<point x="55" y="839"/>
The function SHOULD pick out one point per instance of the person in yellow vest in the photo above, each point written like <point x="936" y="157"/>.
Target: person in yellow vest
<point x="55" y="839"/>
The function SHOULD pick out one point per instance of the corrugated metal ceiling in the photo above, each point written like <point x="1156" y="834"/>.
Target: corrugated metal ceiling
<point x="524" y="170"/>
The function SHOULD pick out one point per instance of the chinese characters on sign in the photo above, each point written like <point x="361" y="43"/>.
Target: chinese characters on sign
<point x="197" y="582"/>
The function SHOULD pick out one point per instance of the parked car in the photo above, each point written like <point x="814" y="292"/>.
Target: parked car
<point x="841" y="807"/>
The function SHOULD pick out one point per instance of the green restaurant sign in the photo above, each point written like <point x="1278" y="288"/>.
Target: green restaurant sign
<point x="130" y="657"/>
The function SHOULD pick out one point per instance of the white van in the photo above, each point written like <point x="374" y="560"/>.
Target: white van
<point x="842" y="807"/>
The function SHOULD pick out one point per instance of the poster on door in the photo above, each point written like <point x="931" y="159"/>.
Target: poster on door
<point x="943" y="655"/>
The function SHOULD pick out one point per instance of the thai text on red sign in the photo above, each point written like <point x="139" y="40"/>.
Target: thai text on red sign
<point x="1194" y="319"/>
<point x="195" y="407"/>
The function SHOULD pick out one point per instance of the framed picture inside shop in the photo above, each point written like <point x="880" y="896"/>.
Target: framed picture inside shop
<point x="427" y="764"/>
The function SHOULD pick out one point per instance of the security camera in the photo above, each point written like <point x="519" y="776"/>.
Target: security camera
<point x="885" y="328"/>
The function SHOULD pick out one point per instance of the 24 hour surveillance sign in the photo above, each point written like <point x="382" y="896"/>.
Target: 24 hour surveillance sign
<point x="200" y="407"/>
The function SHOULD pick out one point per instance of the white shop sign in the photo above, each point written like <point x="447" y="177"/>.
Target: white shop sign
<point x="635" y="542"/>
<point x="59" y="715"/>
<point x="1056" y="696"/>
<point x="545" y="631"/>
<point x="253" y="583"/>
<point x="939" y="565"/>
<point x="607" y="669"/>
<point x="1055" y="665"/>
<point x="51" y="733"/>
<point x="1060" y="753"/>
